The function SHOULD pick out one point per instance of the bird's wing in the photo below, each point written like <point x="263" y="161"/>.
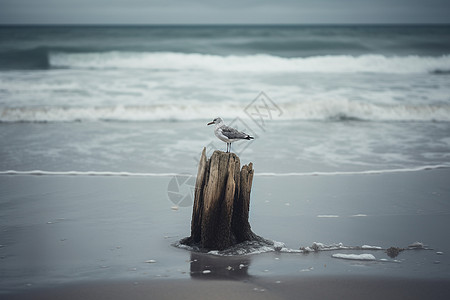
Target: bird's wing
<point x="232" y="133"/>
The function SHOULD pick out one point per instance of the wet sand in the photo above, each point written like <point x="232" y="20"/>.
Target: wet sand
<point x="90" y="237"/>
<point x="289" y="288"/>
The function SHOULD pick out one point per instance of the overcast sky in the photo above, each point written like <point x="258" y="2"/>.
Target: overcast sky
<point x="222" y="11"/>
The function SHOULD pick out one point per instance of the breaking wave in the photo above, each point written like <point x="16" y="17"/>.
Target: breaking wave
<point x="332" y="110"/>
<point x="371" y="63"/>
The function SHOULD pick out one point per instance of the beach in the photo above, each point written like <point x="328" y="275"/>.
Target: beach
<point x="307" y="288"/>
<point x="102" y="127"/>
<point x="55" y="241"/>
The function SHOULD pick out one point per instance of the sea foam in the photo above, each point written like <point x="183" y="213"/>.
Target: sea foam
<point x="137" y="174"/>
<point x="327" y="110"/>
<point x="372" y="63"/>
<point x="364" y="256"/>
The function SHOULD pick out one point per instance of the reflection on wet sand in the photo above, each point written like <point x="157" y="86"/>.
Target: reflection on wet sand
<point x="205" y="266"/>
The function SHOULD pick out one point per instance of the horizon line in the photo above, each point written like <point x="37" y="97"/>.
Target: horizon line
<point x="222" y="24"/>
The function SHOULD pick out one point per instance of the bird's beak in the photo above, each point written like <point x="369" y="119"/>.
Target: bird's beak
<point x="210" y="123"/>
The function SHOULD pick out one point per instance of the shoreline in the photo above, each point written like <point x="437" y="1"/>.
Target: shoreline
<point x="261" y="174"/>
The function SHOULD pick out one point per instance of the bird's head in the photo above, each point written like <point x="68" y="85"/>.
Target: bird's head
<point x="215" y="121"/>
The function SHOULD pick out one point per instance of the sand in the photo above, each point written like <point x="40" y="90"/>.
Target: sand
<point x="84" y="237"/>
<point x="288" y="288"/>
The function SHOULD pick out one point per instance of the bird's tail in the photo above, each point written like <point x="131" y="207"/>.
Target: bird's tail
<point x="249" y="137"/>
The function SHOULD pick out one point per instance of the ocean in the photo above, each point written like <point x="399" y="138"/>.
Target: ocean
<point x="100" y="125"/>
<point x="137" y="99"/>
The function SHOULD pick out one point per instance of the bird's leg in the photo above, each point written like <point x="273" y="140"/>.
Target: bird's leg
<point x="227" y="147"/>
<point x="230" y="147"/>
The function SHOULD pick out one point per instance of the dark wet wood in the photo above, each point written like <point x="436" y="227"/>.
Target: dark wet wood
<point x="221" y="203"/>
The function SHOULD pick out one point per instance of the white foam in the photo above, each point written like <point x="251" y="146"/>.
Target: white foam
<point x="148" y="174"/>
<point x="246" y="248"/>
<point x="243" y="250"/>
<point x="316" y="247"/>
<point x="113" y="113"/>
<point x="329" y="109"/>
<point x="328" y="216"/>
<point x="150" y="261"/>
<point x="249" y="63"/>
<point x="366" y="172"/>
<point x="416" y="245"/>
<point x="364" y="256"/>
<point x="86" y="173"/>
<point x="368" y="247"/>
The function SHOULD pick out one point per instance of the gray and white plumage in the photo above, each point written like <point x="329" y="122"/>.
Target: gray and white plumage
<point x="228" y="134"/>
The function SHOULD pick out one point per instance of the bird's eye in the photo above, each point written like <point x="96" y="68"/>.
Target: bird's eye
<point x="215" y="119"/>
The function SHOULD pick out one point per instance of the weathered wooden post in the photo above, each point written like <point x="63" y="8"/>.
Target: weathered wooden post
<point x="221" y="203"/>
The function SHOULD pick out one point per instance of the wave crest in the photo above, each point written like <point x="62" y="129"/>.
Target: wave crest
<point x="250" y="63"/>
<point x="334" y="110"/>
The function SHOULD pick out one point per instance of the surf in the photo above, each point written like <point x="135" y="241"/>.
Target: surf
<point x="265" y="63"/>
<point x="306" y="110"/>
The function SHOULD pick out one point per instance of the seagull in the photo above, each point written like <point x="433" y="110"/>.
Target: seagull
<point x="228" y="134"/>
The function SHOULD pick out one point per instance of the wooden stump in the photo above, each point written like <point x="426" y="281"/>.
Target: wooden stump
<point x="221" y="204"/>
